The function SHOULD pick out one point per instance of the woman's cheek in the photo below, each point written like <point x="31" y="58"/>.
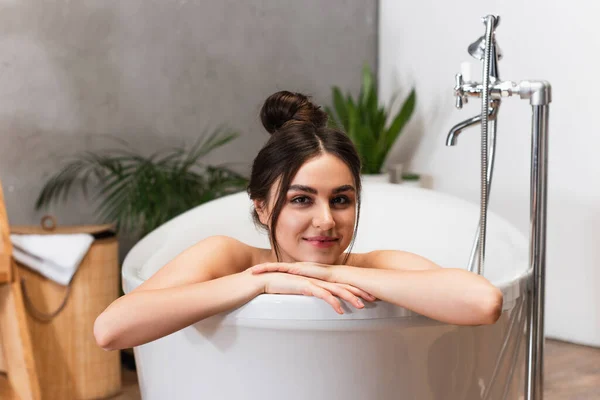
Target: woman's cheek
<point x="290" y="222"/>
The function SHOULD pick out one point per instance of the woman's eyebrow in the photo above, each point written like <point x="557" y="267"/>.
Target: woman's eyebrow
<point x="308" y="189"/>
<point x="344" y="188"/>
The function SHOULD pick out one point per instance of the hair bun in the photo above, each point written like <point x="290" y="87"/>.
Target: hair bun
<point x="285" y="106"/>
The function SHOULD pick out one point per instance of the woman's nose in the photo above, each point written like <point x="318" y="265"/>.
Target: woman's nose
<point x="323" y="219"/>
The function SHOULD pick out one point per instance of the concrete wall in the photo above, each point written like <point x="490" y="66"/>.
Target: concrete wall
<point x="80" y="75"/>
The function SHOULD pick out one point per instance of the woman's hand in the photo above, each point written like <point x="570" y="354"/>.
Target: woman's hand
<point x="308" y="269"/>
<point x="282" y="283"/>
<point x="321" y="279"/>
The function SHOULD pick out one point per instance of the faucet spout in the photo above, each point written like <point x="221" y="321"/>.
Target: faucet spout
<point x="458" y="128"/>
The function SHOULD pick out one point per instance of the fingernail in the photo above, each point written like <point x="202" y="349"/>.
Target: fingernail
<point x="360" y="303"/>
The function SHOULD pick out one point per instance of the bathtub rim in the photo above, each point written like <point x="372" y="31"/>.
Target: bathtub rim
<point x="279" y="308"/>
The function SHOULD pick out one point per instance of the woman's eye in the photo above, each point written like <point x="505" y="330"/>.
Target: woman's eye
<point x="336" y="201"/>
<point x="301" y="200"/>
<point x="341" y="200"/>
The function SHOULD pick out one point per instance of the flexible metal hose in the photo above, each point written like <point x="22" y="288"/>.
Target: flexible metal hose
<point x="490" y="172"/>
<point x="485" y="103"/>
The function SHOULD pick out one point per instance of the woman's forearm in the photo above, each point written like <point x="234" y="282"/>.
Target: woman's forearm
<point x="143" y="316"/>
<point x="449" y="295"/>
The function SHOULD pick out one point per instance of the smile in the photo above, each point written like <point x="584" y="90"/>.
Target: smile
<point x="322" y="241"/>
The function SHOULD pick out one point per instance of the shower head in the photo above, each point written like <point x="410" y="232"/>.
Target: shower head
<point x="477" y="48"/>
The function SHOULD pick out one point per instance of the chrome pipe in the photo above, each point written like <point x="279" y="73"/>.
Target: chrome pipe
<point x="534" y="382"/>
<point x="456" y="130"/>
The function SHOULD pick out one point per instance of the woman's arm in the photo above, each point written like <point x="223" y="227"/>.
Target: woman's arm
<point x="392" y="259"/>
<point x="209" y="278"/>
<point x="202" y="281"/>
<point x="141" y="317"/>
<point x="449" y="295"/>
<point x="454" y="296"/>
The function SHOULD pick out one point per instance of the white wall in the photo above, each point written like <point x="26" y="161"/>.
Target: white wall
<point x="423" y="43"/>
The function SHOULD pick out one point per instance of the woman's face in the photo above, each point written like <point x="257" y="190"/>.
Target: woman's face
<point x="316" y="223"/>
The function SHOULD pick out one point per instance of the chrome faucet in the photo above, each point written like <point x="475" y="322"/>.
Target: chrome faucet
<point x="462" y="89"/>
<point x="491" y="90"/>
<point x="458" y="128"/>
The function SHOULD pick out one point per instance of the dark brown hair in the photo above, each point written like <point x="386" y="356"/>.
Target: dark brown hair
<point x="299" y="133"/>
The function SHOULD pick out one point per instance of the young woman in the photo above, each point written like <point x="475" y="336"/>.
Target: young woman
<point x="305" y="186"/>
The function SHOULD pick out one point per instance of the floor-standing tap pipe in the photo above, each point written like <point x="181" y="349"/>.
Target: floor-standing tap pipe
<point x="534" y="371"/>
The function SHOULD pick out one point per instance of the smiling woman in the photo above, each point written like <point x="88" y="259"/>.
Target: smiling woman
<point x="308" y="176"/>
<point x="318" y="218"/>
<point x="306" y="190"/>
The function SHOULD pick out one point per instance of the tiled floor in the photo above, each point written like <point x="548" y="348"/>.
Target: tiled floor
<point x="572" y="372"/>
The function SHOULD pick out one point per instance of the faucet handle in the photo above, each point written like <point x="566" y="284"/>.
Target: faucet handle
<point x="459" y="102"/>
<point x="459" y="92"/>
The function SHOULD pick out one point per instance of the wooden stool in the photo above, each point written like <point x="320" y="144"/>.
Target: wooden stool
<point x="16" y="352"/>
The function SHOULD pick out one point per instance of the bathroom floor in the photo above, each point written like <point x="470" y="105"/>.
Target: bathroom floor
<point x="571" y="372"/>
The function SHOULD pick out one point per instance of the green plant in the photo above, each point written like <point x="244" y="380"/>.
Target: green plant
<point x="411" y="176"/>
<point x="369" y="125"/>
<point x="140" y="193"/>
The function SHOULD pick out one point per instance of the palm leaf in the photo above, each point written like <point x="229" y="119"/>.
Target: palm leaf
<point x="139" y="193"/>
<point x="400" y="120"/>
<point x="332" y="122"/>
<point x="340" y="107"/>
<point x="364" y="120"/>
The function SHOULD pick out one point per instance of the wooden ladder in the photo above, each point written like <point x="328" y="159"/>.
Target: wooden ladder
<point x="18" y="376"/>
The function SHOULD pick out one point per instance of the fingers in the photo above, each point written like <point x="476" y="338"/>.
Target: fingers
<point x="270" y="267"/>
<point x="316" y="291"/>
<point x="308" y="270"/>
<point x="332" y="287"/>
<point x="327" y="291"/>
<point x="342" y="291"/>
<point x="358" y="292"/>
<point x="345" y="294"/>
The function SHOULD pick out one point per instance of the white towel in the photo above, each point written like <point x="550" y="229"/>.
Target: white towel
<point x="56" y="257"/>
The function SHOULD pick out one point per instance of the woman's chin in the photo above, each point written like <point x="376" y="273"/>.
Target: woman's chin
<point x="329" y="259"/>
<point x="310" y="253"/>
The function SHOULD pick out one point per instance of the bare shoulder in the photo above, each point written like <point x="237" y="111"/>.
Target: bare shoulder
<point x="356" y="259"/>
<point x="391" y="259"/>
<point x="210" y="258"/>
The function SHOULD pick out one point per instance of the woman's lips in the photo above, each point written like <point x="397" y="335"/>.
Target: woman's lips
<point x="322" y="241"/>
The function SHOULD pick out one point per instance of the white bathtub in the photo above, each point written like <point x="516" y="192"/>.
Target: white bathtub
<point x="296" y="347"/>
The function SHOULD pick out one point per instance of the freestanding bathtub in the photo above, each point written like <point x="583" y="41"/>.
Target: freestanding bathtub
<point x="296" y="347"/>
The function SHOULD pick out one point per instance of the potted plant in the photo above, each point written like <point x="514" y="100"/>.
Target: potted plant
<point x="411" y="179"/>
<point x="140" y="193"/>
<point x="370" y="126"/>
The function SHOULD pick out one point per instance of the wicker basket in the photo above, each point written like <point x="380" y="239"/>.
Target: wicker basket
<point x="69" y="363"/>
